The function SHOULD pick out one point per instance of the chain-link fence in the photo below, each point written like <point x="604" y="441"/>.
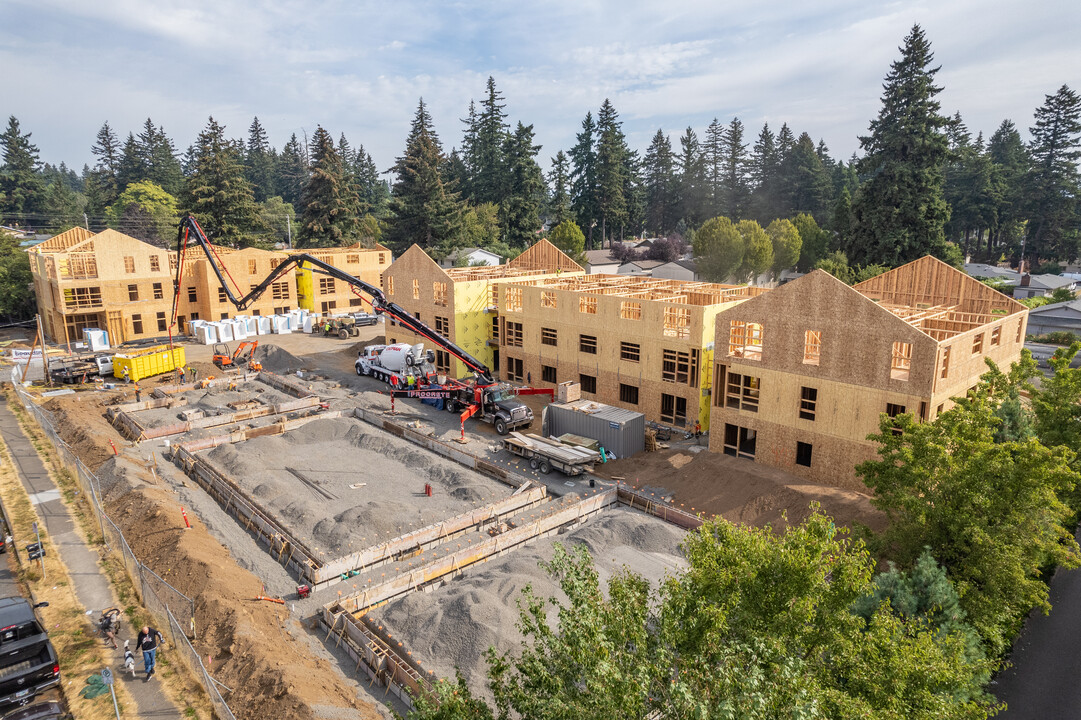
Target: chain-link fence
<point x="159" y="597"/>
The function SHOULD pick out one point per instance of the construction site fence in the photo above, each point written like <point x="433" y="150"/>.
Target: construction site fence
<point x="159" y="597"/>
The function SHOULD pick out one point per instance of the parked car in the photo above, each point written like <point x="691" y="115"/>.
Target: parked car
<point x="38" y="711"/>
<point x="28" y="662"/>
<point x="364" y="318"/>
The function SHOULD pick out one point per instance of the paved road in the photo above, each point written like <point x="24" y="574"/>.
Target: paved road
<point x="91" y="586"/>
<point x="1044" y="682"/>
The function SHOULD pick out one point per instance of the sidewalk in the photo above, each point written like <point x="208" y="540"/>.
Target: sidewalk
<point x="91" y="585"/>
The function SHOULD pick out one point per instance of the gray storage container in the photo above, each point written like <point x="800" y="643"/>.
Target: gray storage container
<point x="620" y="431"/>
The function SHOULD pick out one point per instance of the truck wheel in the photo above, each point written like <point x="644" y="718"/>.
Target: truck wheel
<point x="343" y="334"/>
<point x="533" y="463"/>
<point x="544" y="468"/>
<point x="501" y="426"/>
<point x="451" y="406"/>
<point x="359" y="369"/>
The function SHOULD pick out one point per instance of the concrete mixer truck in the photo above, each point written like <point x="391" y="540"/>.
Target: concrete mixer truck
<point x="393" y="364"/>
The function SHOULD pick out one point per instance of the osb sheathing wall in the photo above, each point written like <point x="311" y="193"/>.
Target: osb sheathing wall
<point x="469" y="294"/>
<point x="610" y="330"/>
<point x="366" y="264"/>
<point x="241" y="276"/>
<point x="853" y="377"/>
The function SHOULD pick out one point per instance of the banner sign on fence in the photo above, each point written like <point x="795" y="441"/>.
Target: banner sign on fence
<point x="23" y="355"/>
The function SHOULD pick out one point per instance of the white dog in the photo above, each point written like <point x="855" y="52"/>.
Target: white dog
<point x="129" y="659"/>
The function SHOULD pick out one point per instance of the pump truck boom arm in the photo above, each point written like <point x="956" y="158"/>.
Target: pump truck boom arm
<point x="190" y="230"/>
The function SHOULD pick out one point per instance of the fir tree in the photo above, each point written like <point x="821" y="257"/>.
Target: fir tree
<point x="763" y="172"/>
<point x="422" y="210"/>
<point x="328" y="219"/>
<point x="132" y="166"/>
<point x="373" y="190"/>
<point x="107" y="150"/>
<point x="489" y="175"/>
<point x="735" y="190"/>
<point x="900" y="214"/>
<point x="559" y="202"/>
<point x="218" y="196"/>
<point x="157" y="159"/>
<point x="519" y="211"/>
<point x="611" y="169"/>
<point x="1009" y="163"/>
<point x="660" y="181"/>
<point x="469" y="152"/>
<point x="714" y="156"/>
<point x="692" y="179"/>
<point x="22" y="190"/>
<point x="292" y="171"/>
<point x="584" y="179"/>
<point x="809" y="181"/>
<point x="259" y="162"/>
<point x="1054" y="184"/>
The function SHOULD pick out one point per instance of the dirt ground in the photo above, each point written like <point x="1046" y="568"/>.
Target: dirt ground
<point x="255" y="648"/>
<point x="738" y="490"/>
<point x="454" y="625"/>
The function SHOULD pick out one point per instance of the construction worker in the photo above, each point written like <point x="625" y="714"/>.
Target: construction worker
<point x="697" y="428"/>
<point x="127" y="377"/>
<point x="326" y="328"/>
<point x="138" y="392"/>
<point x="183" y="372"/>
<point x="410" y="381"/>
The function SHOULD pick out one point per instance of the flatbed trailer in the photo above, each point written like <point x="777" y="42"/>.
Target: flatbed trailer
<point x="544" y="454"/>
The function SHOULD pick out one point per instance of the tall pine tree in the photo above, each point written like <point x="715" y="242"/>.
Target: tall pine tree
<point x="22" y="189"/>
<point x="1054" y="184"/>
<point x="519" y="213"/>
<point x="422" y="210"/>
<point x="584" y="179"/>
<point x="900" y="213"/>
<point x="735" y="190"/>
<point x="292" y="171"/>
<point x="714" y="151"/>
<point x="1009" y="163"/>
<point x="328" y="219"/>
<point x="559" y="202"/>
<point x="218" y="195"/>
<point x="489" y="175"/>
<point x="611" y="170"/>
<point x="692" y="179"/>
<point x="259" y="162"/>
<point x="662" y="211"/>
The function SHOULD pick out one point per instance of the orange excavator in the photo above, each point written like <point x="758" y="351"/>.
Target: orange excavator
<point x="244" y="357"/>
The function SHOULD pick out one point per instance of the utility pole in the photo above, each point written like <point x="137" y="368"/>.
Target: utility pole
<point x="86" y="222"/>
<point x="289" y="229"/>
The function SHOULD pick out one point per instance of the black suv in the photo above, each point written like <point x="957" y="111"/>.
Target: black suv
<point x="28" y="663"/>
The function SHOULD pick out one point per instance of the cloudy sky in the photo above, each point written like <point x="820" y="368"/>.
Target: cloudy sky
<point x="359" y="67"/>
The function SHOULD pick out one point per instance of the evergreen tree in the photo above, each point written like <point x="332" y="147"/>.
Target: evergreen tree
<point x="714" y="155"/>
<point x="584" y="179"/>
<point x="469" y="151"/>
<point x="350" y="183"/>
<point x="489" y="176"/>
<point x="62" y="206"/>
<point x="422" y="210"/>
<point x="692" y="179"/>
<point x="1054" y="185"/>
<point x="1009" y="163"/>
<point x="373" y="190"/>
<point x="808" y="180"/>
<point x="329" y="218"/>
<point x="519" y="213"/>
<point x="292" y="172"/>
<point x="660" y="181"/>
<point x="970" y="190"/>
<point x="559" y="202"/>
<point x="899" y="214"/>
<point x="107" y="150"/>
<point x="736" y="192"/>
<point x="814" y="242"/>
<point x="259" y="162"/>
<point x="22" y="190"/>
<point x="218" y="196"/>
<point x="132" y="167"/>
<point x="611" y="170"/>
<point x="157" y="156"/>
<point x="634" y="194"/>
<point x="841" y="222"/>
<point x="763" y="172"/>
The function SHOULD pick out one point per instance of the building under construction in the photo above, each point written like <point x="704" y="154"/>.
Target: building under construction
<point x="114" y="282"/>
<point x="804" y="373"/>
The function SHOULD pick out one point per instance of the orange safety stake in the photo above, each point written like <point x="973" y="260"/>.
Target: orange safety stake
<point x="185" y="514"/>
<point x="113" y="447"/>
<point x="270" y="599"/>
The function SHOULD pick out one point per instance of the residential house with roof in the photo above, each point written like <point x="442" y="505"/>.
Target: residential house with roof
<point x="1056" y="317"/>
<point x="1043" y="285"/>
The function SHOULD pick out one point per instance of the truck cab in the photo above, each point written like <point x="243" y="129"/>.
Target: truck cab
<point x="28" y="662"/>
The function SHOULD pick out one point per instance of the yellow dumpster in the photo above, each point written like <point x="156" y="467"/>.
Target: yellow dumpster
<point x="149" y="362"/>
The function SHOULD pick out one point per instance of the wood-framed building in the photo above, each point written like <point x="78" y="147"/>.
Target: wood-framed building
<point x="325" y="295"/>
<point x="462" y="303"/>
<point x="803" y="373"/>
<point x="124" y="286"/>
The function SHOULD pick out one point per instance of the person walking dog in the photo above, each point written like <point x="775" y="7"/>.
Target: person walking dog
<point x="148" y="641"/>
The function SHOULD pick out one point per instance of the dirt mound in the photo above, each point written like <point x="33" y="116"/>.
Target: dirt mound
<point x="740" y="491"/>
<point x="79" y="420"/>
<point x="279" y="360"/>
